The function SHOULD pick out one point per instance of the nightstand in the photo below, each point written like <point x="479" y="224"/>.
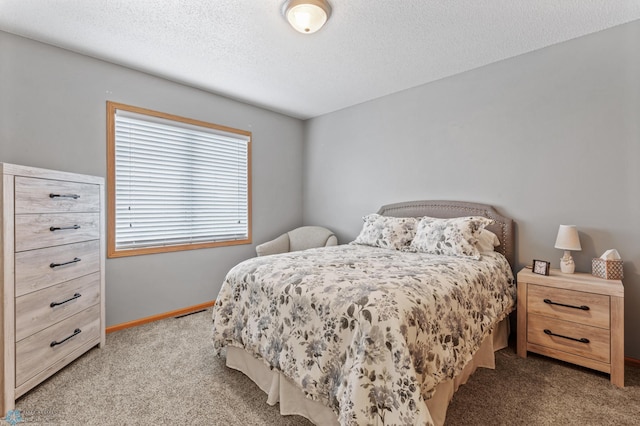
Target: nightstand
<point x="576" y="318"/>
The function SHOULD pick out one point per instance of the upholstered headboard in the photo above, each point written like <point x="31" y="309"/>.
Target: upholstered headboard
<point x="503" y="226"/>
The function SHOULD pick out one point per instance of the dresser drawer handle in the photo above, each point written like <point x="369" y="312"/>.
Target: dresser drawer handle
<point x="55" y="265"/>
<point x="75" y="296"/>
<point x="74" y="196"/>
<point x="57" y="228"/>
<point x="581" y="340"/>
<point x="583" y="307"/>
<point x="75" y="333"/>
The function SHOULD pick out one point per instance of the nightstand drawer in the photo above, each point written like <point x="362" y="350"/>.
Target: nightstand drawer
<point x="33" y="195"/>
<point x="35" y="313"/>
<point x="35" y="353"/>
<point x="45" y="230"/>
<point x="569" y="305"/>
<point x="559" y="335"/>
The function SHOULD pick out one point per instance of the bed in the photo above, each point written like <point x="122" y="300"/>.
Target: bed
<point x="379" y="331"/>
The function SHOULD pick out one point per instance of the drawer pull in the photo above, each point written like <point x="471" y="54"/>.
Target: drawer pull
<point x="75" y="296"/>
<point x="583" y="307"/>
<point x="55" y="265"/>
<point x="581" y="340"/>
<point x="57" y="228"/>
<point x="74" y="196"/>
<point x="75" y="333"/>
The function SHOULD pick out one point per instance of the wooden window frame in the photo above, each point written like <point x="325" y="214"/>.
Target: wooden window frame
<point x="112" y="252"/>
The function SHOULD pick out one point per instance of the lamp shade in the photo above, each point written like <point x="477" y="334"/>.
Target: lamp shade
<point x="567" y="238"/>
<point x="306" y="16"/>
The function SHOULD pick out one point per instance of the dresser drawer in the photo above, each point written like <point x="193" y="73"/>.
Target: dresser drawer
<point x="598" y="347"/>
<point x="34" y="272"/>
<point x="597" y="314"/>
<point x="34" y="311"/>
<point x="33" y="195"/>
<point x="35" y="353"/>
<point x="42" y="230"/>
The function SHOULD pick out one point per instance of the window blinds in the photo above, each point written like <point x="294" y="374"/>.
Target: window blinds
<point x="178" y="183"/>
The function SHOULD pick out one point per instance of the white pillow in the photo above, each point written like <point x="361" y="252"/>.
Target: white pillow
<point x="487" y="241"/>
<point x="386" y="231"/>
<point x="449" y="237"/>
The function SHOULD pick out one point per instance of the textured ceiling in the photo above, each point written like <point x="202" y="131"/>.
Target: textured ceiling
<point x="244" y="49"/>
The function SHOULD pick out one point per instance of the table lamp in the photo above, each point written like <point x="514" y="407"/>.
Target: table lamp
<point x="567" y="240"/>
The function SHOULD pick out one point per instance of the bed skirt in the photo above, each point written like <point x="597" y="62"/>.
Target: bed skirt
<point x="279" y="389"/>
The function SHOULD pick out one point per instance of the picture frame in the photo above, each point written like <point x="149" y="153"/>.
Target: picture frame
<point x="541" y="267"/>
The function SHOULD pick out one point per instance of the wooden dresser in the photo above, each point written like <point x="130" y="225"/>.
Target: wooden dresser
<point x="51" y="271"/>
<point x="577" y="318"/>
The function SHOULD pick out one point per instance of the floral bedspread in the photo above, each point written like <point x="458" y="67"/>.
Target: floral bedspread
<point x="368" y="331"/>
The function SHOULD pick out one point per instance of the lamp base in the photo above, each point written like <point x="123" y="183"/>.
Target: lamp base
<point x="566" y="263"/>
<point x="567" y="269"/>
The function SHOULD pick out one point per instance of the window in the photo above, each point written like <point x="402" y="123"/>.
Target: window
<point x="174" y="183"/>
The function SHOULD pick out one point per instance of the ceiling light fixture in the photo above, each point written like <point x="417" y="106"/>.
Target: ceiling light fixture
<point x="306" y="16"/>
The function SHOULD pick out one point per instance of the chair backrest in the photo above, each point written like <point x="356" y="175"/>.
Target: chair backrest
<point x="307" y="237"/>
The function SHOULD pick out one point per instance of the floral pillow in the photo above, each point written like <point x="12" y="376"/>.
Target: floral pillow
<point x="387" y="231"/>
<point x="449" y="237"/>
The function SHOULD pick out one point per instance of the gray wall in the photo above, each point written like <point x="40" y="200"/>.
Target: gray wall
<point x="53" y="115"/>
<point x="551" y="137"/>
